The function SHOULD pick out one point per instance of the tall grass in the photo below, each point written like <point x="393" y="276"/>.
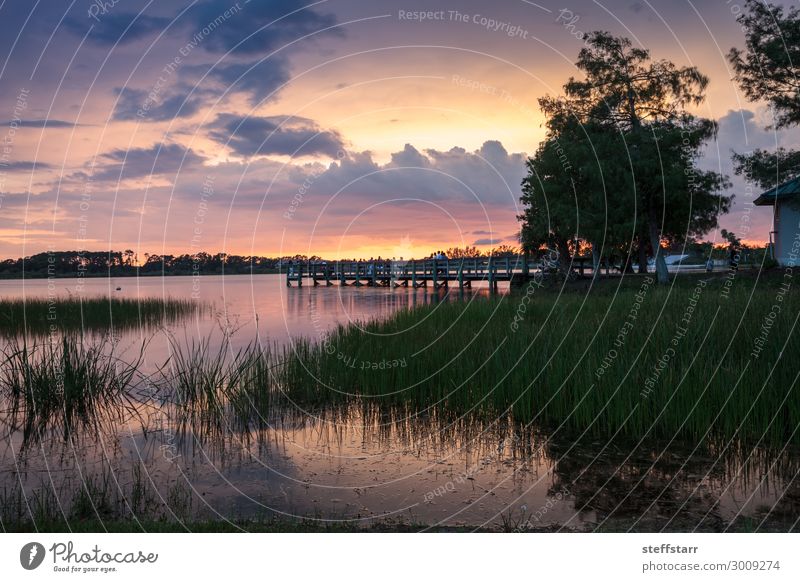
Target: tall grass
<point x="220" y="387"/>
<point x="62" y="386"/>
<point x="546" y="369"/>
<point x="42" y="315"/>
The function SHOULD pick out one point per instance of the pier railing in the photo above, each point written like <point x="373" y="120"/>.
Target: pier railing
<point x="417" y="273"/>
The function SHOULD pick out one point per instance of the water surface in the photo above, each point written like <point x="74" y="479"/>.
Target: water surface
<point x="360" y="463"/>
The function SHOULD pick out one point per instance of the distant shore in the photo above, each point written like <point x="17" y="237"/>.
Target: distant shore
<point x="13" y="277"/>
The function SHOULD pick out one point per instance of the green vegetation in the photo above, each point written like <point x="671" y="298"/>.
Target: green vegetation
<point x="767" y="69"/>
<point x="39" y="316"/>
<point x="677" y="363"/>
<point x="62" y="386"/>
<point x="220" y="388"/>
<point x="619" y="168"/>
<point x="110" y="495"/>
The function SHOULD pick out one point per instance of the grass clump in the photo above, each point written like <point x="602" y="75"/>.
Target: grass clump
<point x="39" y="316"/>
<point x="63" y="385"/>
<point x="220" y="387"/>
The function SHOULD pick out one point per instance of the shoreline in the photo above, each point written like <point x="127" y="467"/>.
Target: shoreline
<point x="39" y="276"/>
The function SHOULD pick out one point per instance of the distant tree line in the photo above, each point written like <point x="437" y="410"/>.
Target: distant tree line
<point x="126" y="263"/>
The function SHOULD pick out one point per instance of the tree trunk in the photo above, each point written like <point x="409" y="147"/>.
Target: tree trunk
<point x="628" y="267"/>
<point x="662" y="274"/>
<point x="564" y="258"/>
<point x="642" y="257"/>
<point x="595" y="260"/>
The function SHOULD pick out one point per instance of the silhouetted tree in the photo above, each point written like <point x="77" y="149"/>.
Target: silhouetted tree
<point x="634" y="110"/>
<point x="769" y="69"/>
<point x="469" y="252"/>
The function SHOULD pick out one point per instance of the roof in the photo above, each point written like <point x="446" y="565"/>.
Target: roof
<point x="784" y="191"/>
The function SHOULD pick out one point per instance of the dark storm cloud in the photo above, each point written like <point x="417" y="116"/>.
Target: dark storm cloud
<point x="239" y="27"/>
<point x="260" y="79"/>
<point x="251" y="29"/>
<point x="276" y="135"/>
<point x="115" y="26"/>
<point x="136" y="104"/>
<point x="410" y="157"/>
<point x="741" y="130"/>
<point x="512" y="238"/>
<point x="169" y="159"/>
<point x="199" y="86"/>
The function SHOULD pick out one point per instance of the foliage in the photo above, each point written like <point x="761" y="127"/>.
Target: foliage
<point x="767" y="169"/>
<point x="62" y="385"/>
<point x="573" y="180"/>
<point x="504" y="251"/>
<point x="469" y="252"/>
<point x="625" y="88"/>
<point x="472" y="252"/>
<point x="767" y="69"/>
<point x="619" y="166"/>
<point x="731" y="238"/>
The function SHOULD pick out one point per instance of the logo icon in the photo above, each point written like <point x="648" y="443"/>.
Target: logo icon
<point x="31" y="555"/>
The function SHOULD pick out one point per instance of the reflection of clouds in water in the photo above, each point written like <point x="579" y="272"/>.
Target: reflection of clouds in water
<point x="358" y="462"/>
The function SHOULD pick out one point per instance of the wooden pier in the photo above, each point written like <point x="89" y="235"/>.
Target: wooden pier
<point x="435" y="273"/>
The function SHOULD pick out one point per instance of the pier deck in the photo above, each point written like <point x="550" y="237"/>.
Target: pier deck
<point x="422" y="273"/>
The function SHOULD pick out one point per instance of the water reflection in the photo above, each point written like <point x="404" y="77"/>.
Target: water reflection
<point x="239" y="308"/>
<point x="358" y="463"/>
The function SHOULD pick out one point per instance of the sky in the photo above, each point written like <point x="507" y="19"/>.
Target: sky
<point x="338" y="128"/>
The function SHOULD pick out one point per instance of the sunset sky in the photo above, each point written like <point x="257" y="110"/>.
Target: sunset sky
<point x="337" y="128"/>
